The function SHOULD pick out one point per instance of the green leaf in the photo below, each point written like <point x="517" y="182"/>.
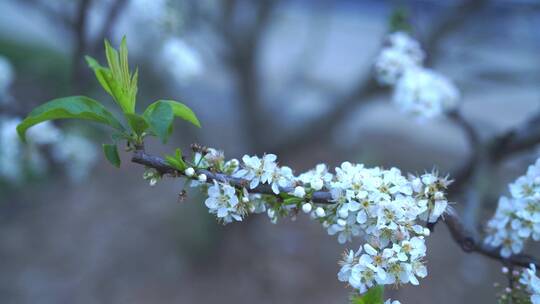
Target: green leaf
<point x="373" y="296"/>
<point x="111" y="153"/>
<point x="159" y="117"/>
<point x="103" y="75"/>
<point x="117" y="79"/>
<point x="182" y="111"/>
<point x="137" y="123"/>
<point x="79" y="107"/>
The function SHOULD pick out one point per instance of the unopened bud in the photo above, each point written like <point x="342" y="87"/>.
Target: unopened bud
<point x="320" y="212"/>
<point x="299" y="192"/>
<point x="189" y="172"/>
<point x="306" y="207"/>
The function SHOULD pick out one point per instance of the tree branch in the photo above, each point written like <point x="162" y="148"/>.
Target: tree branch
<point x="467" y="170"/>
<point x="461" y="236"/>
<point x="517" y="140"/>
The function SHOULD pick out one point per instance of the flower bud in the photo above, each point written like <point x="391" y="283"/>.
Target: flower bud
<point x="341" y="222"/>
<point x="320" y="212"/>
<point x="299" y="192"/>
<point x="202" y="178"/>
<point x="189" y="172"/>
<point x="306" y="207"/>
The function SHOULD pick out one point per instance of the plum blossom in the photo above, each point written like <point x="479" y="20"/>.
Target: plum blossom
<point x="532" y="283"/>
<point x="517" y="218"/>
<point x="417" y="90"/>
<point x="181" y="60"/>
<point x="425" y="93"/>
<point x="223" y="201"/>
<point x="383" y="206"/>
<point x="401" y="53"/>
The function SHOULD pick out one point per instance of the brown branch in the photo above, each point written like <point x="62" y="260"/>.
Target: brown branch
<point x="517" y="140"/>
<point x="461" y="236"/>
<point x="469" y="244"/>
<point x="79" y="32"/>
<point x="464" y="173"/>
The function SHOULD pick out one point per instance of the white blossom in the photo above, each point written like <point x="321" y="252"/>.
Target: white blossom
<point x="401" y="53"/>
<point x="425" y="93"/>
<point x="517" y="218"/>
<point x="317" y="177"/>
<point x="391" y="64"/>
<point x="417" y="90"/>
<point x="77" y="153"/>
<point x="223" y="202"/>
<point x="258" y="170"/>
<point x="384" y="206"/>
<point x="532" y="283"/>
<point x="181" y="60"/>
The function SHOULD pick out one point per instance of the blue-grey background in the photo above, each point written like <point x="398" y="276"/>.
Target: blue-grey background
<point x="113" y="239"/>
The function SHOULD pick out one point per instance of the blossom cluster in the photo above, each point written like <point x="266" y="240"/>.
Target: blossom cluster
<point x="532" y="283"/>
<point x="517" y="218"/>
<point x="383" y="206"/>
<point x="417" y="90"/>
<point x="160" y="21"/>
<point x="72" y="150"/>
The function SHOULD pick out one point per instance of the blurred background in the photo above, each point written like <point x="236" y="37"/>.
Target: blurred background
<point x="292" y="77"/>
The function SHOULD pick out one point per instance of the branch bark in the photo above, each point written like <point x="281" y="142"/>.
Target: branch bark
<point x="467" y="242"/>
